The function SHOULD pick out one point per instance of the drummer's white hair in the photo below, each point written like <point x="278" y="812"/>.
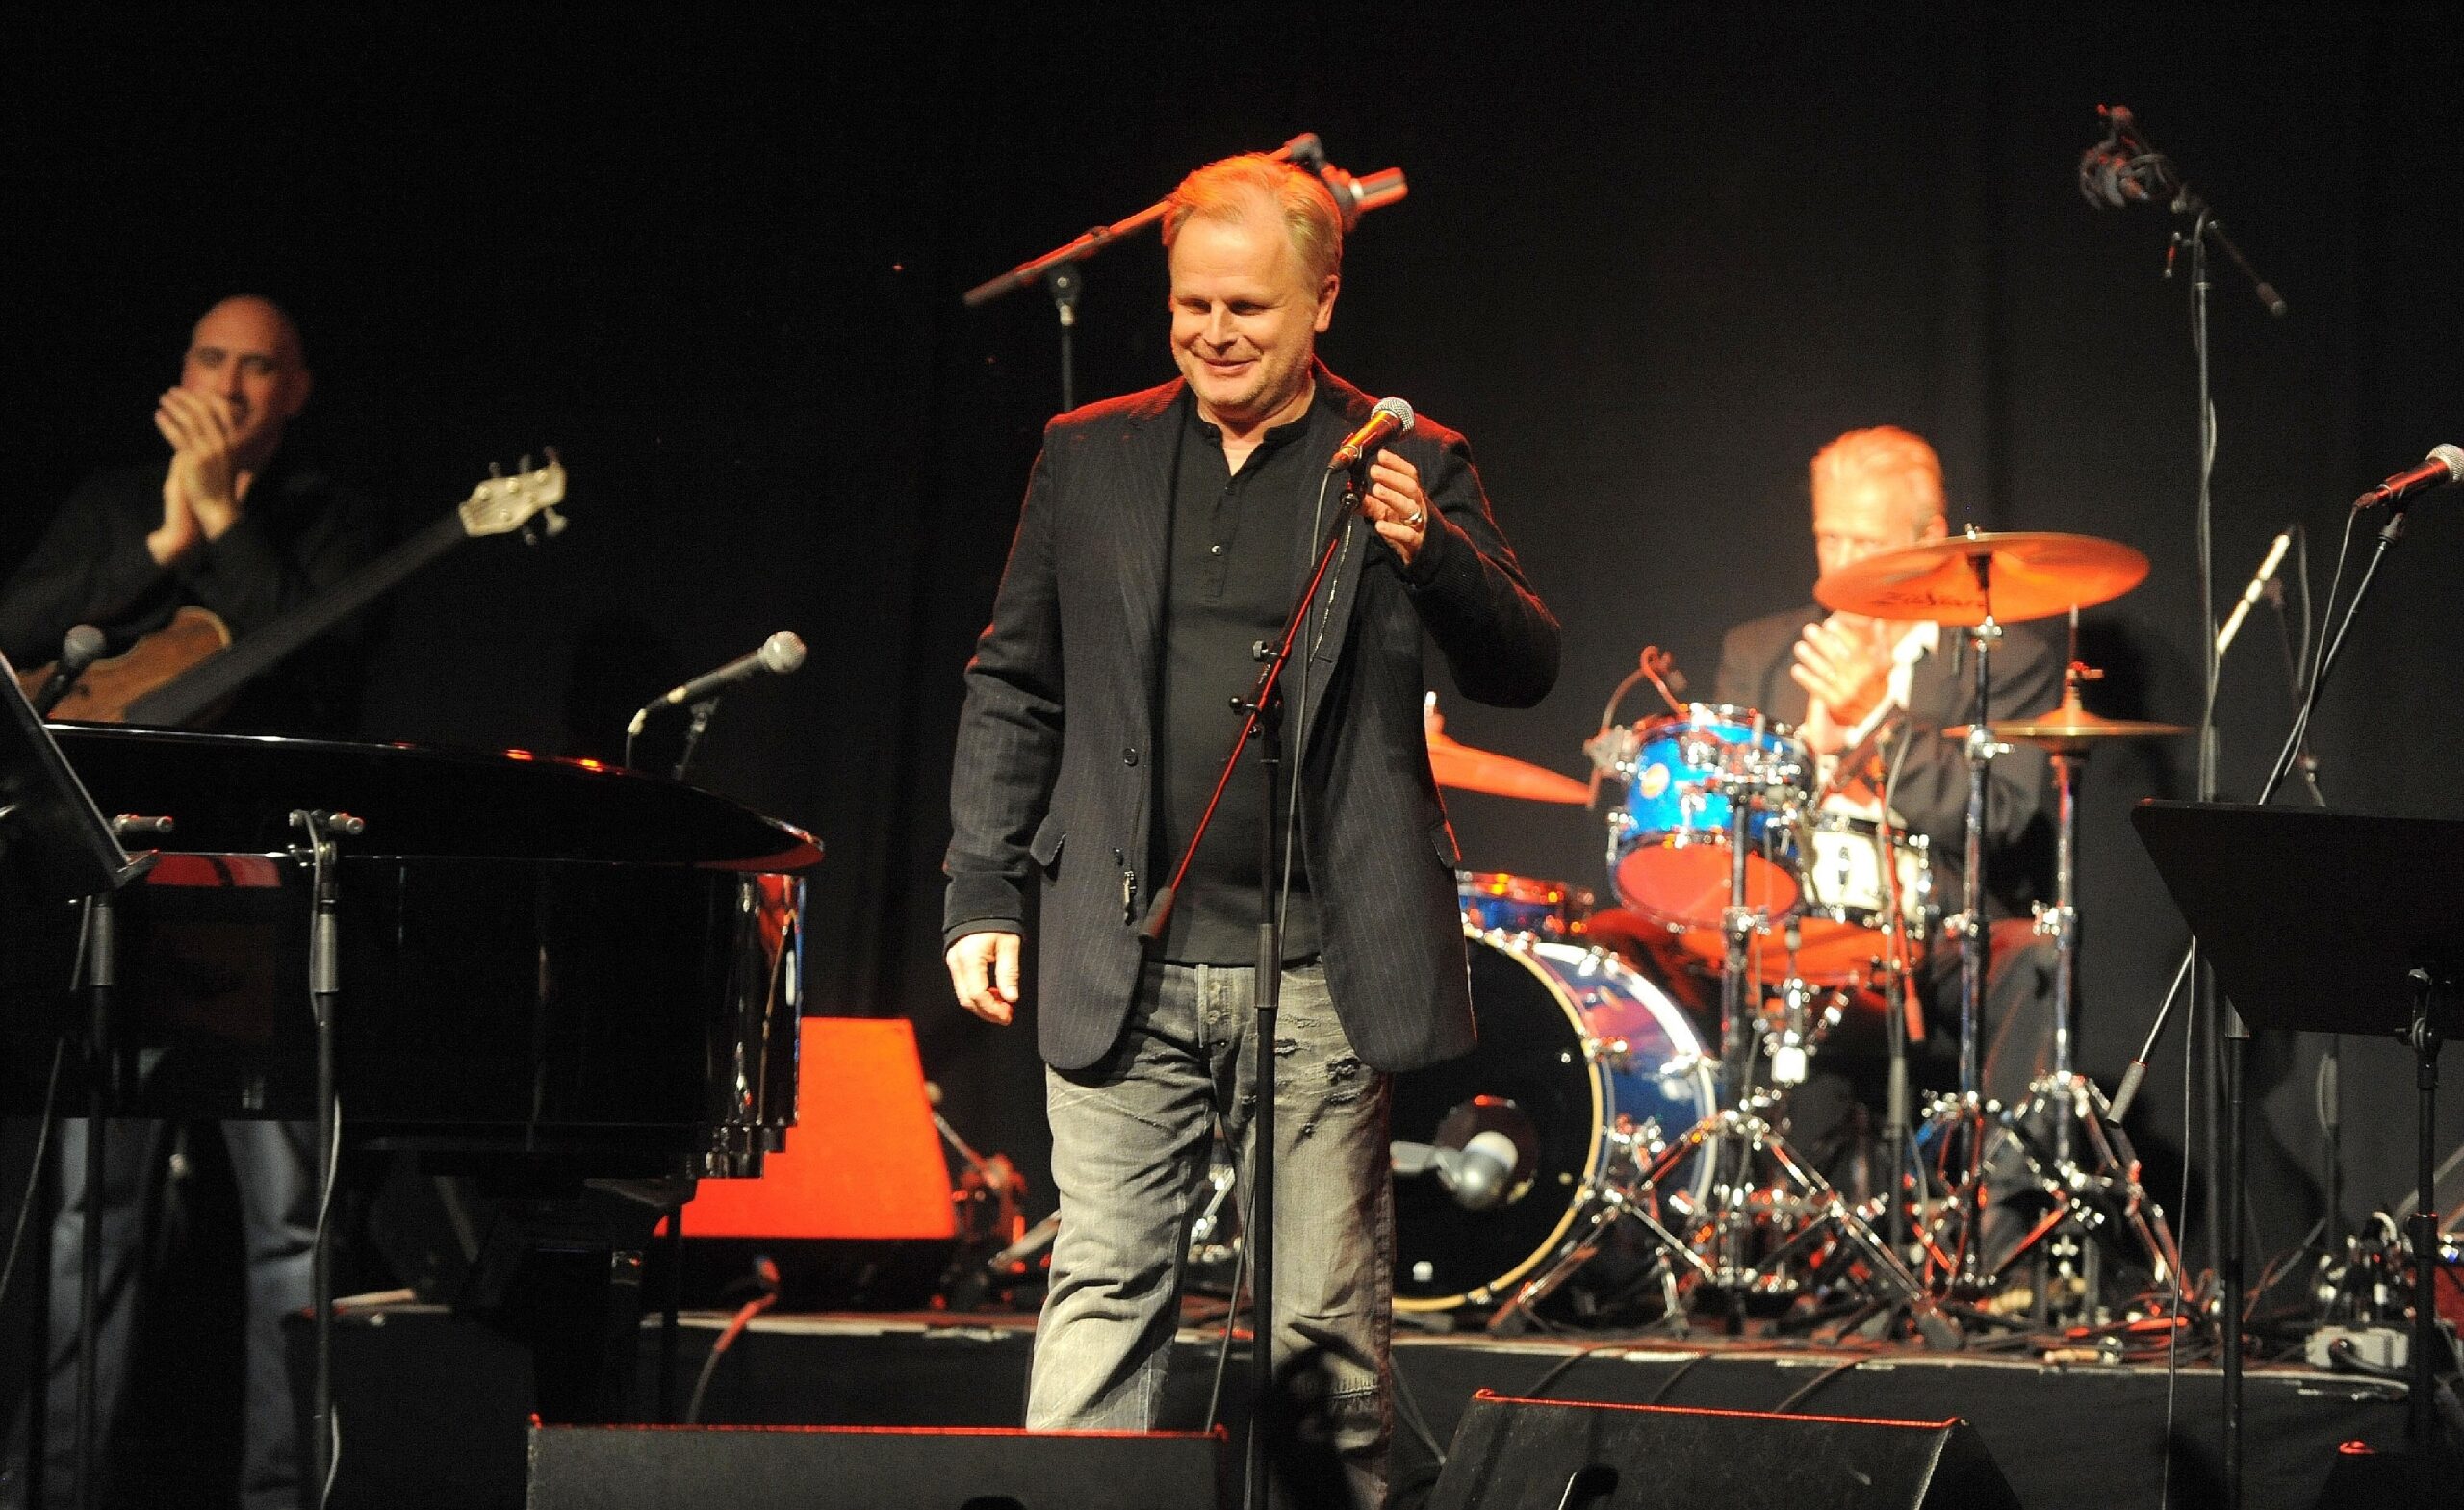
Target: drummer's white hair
<point x="1889" y="455"/>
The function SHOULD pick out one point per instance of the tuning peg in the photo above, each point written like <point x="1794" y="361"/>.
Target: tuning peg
<point x="556" y="524"/>
<point x="553" y="460"/>
<point x="526" y="463"/>
<point x="496" y="473"/>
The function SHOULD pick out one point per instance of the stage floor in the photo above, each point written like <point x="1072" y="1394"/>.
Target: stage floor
<point x="435" y="1408"/>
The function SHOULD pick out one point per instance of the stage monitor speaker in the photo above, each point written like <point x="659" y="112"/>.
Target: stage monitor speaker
<point x="1512" y="1455"/>
<point x="850" y="1468"/>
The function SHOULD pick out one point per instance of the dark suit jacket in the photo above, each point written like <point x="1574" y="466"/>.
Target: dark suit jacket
<point x="1931" y="795"/>
<point x="1053" y="769"/>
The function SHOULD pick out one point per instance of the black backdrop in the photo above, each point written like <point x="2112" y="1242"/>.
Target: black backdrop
<point x="1650" y="262"/>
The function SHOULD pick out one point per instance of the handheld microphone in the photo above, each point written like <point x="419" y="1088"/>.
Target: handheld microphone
<point x="1391" y="417"/>
<point x="781" y="652"/>
<point x="2444" y="464"/>
<point x="2250" y="595"/>
<point x="80" y="648"/>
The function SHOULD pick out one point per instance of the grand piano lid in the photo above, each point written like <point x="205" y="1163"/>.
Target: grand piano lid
<point x="234" y="794"/>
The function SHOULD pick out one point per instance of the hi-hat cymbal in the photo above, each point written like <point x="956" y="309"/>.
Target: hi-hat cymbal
<point x="2029" y="573"/>
<point x="2072" y="727"/>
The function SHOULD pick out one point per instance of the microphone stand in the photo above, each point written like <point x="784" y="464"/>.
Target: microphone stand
<point x="1058" y="271"/>
<point x="1261" y="722"/>
<point x="701" y="712"/>
<point x="2149" y="168"/>
<point x="2231" y="1150"/>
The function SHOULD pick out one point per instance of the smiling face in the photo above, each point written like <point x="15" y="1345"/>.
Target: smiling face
<point x="246" y="350"/>
<point x="1245" y="315"/>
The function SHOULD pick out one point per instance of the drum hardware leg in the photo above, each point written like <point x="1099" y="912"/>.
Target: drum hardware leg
<point x="2091" y="1155"/>
<point x="1798" y="1212"/>
<point x="1609" y="1202"/>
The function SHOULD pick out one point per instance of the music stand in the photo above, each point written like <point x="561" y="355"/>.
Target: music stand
<point x="54" y="844"/>
<point x="2329" y="922"/>
<point x="55" y="847"/>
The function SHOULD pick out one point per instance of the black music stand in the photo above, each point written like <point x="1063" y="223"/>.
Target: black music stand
<point x="2329" y="922"/>
<point x="55" y="845"/>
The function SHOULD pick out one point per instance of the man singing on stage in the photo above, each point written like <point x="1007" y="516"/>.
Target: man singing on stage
<point x="1163" y="533"/>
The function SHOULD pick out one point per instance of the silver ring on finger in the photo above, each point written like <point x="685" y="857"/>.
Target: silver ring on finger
<point x="1416" y="516"/>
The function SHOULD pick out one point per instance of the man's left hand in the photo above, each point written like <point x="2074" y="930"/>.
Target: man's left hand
<point x="1396" y="505"/>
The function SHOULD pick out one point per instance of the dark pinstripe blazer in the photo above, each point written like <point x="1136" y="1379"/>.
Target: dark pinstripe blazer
<point x="1052" y="770"/>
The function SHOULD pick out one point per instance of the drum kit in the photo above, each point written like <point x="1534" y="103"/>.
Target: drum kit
<point x="1595" y="1117"/>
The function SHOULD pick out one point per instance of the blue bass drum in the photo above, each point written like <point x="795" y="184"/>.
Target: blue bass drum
<point x="1668" y="841"/>
<point x="1577" y="1053"/>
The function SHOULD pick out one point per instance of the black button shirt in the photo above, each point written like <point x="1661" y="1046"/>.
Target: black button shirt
<point x="1240" y="548"/>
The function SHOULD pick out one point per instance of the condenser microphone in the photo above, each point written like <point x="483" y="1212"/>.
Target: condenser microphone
<point x="1391" y="417"/>
<point x="2119" y="171"/>
<point x="2444" y="464"/>
<point x="2249" y="597"/>
<point x="80" y="648"/>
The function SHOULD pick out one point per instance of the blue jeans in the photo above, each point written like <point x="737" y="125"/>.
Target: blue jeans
<point x="275" y="1164"/>
<point x="1130" y="1141"/>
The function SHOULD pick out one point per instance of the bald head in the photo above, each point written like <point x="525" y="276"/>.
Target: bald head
<point x="248" y="352"/>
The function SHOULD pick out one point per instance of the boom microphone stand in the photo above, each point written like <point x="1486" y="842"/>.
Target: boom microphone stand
<point x="1058" y="269"/>
<point x="2124" y="168"/>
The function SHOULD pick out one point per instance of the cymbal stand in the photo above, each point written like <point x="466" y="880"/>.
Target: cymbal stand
<point x="1742" y="1237"/>
<point x="1958" y="1123"/>
<point x="2086" y="1202"/>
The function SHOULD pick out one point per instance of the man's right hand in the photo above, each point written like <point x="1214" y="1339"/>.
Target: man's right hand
<point x="984" y="971"/>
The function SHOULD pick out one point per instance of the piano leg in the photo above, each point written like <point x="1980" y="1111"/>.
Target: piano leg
<point x="566" y="1277"/>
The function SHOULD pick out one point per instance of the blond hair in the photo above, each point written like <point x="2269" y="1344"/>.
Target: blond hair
<point x="1889" y="455"/>
<point x="1226" y="189"/>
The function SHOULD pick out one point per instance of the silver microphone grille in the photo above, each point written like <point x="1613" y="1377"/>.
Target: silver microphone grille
<point x="783" y="652"/>
<point x="2449" y="456"/>
<point x="1403" y="413"/>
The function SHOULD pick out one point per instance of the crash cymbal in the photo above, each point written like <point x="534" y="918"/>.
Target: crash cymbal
<point x="2031" y="575"/>
<point x="1465" y="769"/>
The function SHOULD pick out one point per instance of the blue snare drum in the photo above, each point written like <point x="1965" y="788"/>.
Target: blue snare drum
<point x="1668" y="839"/>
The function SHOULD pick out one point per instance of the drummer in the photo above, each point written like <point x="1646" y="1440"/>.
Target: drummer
<point x="1851" y="685"/>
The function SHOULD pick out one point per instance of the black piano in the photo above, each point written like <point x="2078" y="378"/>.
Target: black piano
<point x="572" y="988"/>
